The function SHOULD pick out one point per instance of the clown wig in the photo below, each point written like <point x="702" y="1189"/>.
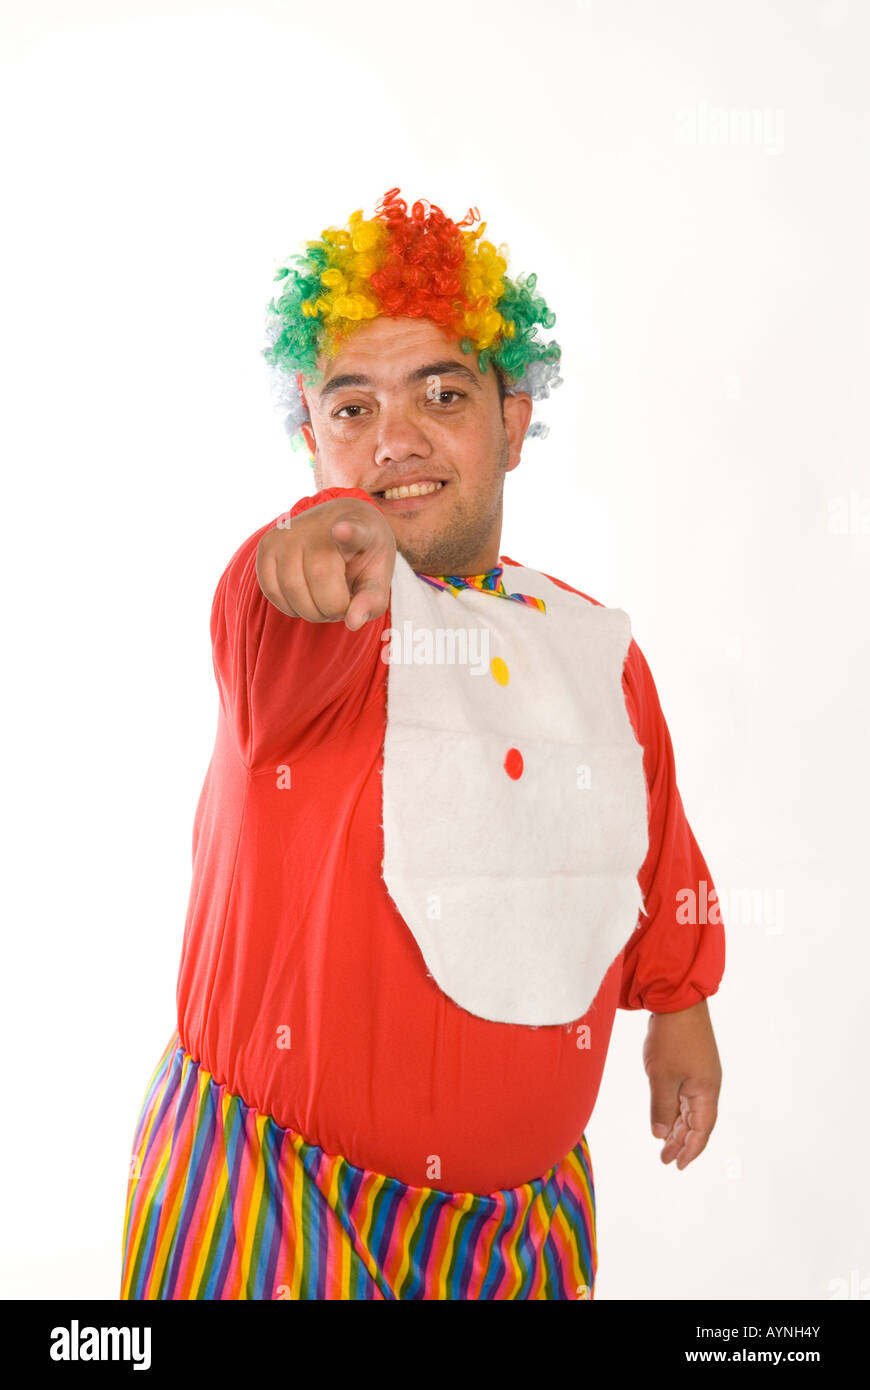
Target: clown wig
<point x="406" y="265"/>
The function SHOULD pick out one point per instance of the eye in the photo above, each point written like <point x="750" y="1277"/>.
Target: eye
<point x="437" y="398"/>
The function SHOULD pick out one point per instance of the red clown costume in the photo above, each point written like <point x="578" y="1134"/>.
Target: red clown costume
<point x="431" y="858"/>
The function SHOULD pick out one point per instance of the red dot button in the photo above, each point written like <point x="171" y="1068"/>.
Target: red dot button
<point x="513" y="763"/>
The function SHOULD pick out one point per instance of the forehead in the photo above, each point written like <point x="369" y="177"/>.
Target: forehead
<point x="386" y="350"/>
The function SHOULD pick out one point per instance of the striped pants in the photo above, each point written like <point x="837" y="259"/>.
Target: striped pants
<point x="223" y="1203"/>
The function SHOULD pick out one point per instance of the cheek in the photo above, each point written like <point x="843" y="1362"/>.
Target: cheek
<point x="340" y="447"/>
<point x="474" y="443"/>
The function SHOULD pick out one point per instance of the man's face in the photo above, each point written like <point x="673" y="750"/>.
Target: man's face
<point x="401" y="404"/>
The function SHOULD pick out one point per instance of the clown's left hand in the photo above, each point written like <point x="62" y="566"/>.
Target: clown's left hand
<point x="681" y="1060"/>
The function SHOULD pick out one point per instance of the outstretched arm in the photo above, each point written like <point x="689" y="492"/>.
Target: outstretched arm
<point x="292" y="648"/>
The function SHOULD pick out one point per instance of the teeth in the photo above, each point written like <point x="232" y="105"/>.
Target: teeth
<point x="415" y="490"/>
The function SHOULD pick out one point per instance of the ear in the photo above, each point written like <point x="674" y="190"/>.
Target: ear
<point x="308" y="436"/>
<point x="517" y="413"/>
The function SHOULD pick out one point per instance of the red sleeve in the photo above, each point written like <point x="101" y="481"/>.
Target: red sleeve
<point x="284" y="682"/>
<point x="676" y="956"/>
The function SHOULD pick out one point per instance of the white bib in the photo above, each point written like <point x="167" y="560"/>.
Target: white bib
<point x="514" y="798"/>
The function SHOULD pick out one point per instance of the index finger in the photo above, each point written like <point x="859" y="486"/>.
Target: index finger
<point x="370" y="593"/>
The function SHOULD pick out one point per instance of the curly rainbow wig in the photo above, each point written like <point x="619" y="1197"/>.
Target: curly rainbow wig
<point x="406" y="265"/>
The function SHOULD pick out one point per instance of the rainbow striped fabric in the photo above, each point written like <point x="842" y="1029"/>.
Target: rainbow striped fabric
<point x="489" y="582"/>
<point x="223" y="1203"/>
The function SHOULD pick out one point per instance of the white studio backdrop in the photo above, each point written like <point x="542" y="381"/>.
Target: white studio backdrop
<point x="688" y="179"/>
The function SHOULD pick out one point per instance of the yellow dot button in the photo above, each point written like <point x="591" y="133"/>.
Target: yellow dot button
<point x="499" y="670"/>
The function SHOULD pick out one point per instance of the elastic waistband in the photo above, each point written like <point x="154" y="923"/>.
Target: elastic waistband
<point x="225" y="1203"/>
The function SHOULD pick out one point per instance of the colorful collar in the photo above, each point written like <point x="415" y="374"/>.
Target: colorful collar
<point x="490" y="582"/>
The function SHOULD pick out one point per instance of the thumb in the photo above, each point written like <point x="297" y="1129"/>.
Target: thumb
<point x="352" y="537"/>
<point x="664" y="1105"/>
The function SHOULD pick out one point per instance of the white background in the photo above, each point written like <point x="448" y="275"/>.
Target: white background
<point x="160" y="160"/>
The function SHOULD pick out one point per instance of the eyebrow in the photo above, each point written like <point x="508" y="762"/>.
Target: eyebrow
<point x="447" y="367"/>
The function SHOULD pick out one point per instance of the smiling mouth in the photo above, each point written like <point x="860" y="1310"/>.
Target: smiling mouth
<point x="397" y="494"/>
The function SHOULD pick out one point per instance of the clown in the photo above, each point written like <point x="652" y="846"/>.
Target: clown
<point x="439" y="842"/>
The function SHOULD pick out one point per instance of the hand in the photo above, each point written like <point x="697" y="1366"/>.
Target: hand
<point x="681" y="1060"/>
<point x="333" y="562"/>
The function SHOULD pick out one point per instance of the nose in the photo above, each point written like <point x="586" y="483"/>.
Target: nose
<point x="401" y="435"/>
